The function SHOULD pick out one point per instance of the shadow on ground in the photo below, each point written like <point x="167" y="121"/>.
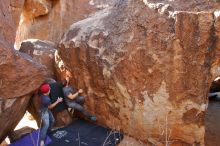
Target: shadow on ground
<point x="212" y="124"/>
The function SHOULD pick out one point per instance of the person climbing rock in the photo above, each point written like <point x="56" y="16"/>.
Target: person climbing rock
<point x="46" y="115"/>
<point x="74" y="100"/>
<point x="56" y="90"/>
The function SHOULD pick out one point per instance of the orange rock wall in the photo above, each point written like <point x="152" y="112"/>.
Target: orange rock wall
<point x="146" y="67"/>
<point x="19" y="75"/>
<point x="49" y="19"/>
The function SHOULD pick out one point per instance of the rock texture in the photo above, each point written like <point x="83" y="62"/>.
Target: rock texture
<point x="10" y="17"/>
<point x="36" y="8"/>
<point x="12" y="110"/>
<point x="41" y="52"/>
<point x="33" y="108"/>
<point x="146" y="67"/>
<point x="19" y="75"/>
<point x="49" y="19"/>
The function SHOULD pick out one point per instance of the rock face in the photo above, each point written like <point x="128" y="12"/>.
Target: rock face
<point x="41" y="52"/>
<point x="10" y="17"/>
<point x="19" y="75"/>
<point x="36" y="8"/>
<point x="12" y="110"/>
<point x="49" y="19"/>
<point x="146" y="67"/>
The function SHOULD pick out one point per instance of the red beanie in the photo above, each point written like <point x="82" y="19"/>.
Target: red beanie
<point x="45" y="88"/>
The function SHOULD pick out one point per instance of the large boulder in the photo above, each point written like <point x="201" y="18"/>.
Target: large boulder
<point x="49" y="19"/>
<point x="20" y="76"/>
<point x="145" y="67"/>
<point x="10" y="17"/>
<point x="12" y="110"/>
<point x="42" y="52"/>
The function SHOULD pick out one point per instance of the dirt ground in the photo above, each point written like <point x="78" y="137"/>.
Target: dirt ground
<point x="128" y="141"/>
<point x="212" y="123"/>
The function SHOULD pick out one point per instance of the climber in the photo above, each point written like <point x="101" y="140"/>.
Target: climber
<point x="74" y="100"/>
<point x="46" y="115"/>
<point x="55" y="92"/>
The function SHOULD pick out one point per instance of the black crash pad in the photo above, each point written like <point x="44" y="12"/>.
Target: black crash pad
<point x="84" y="133"/>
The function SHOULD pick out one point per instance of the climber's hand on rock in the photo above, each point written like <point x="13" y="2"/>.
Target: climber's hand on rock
<point x="80" y="91"/>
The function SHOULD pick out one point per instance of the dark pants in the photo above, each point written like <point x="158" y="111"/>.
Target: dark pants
<point x="47" y="123"/>
<point x="77" y="104"/>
